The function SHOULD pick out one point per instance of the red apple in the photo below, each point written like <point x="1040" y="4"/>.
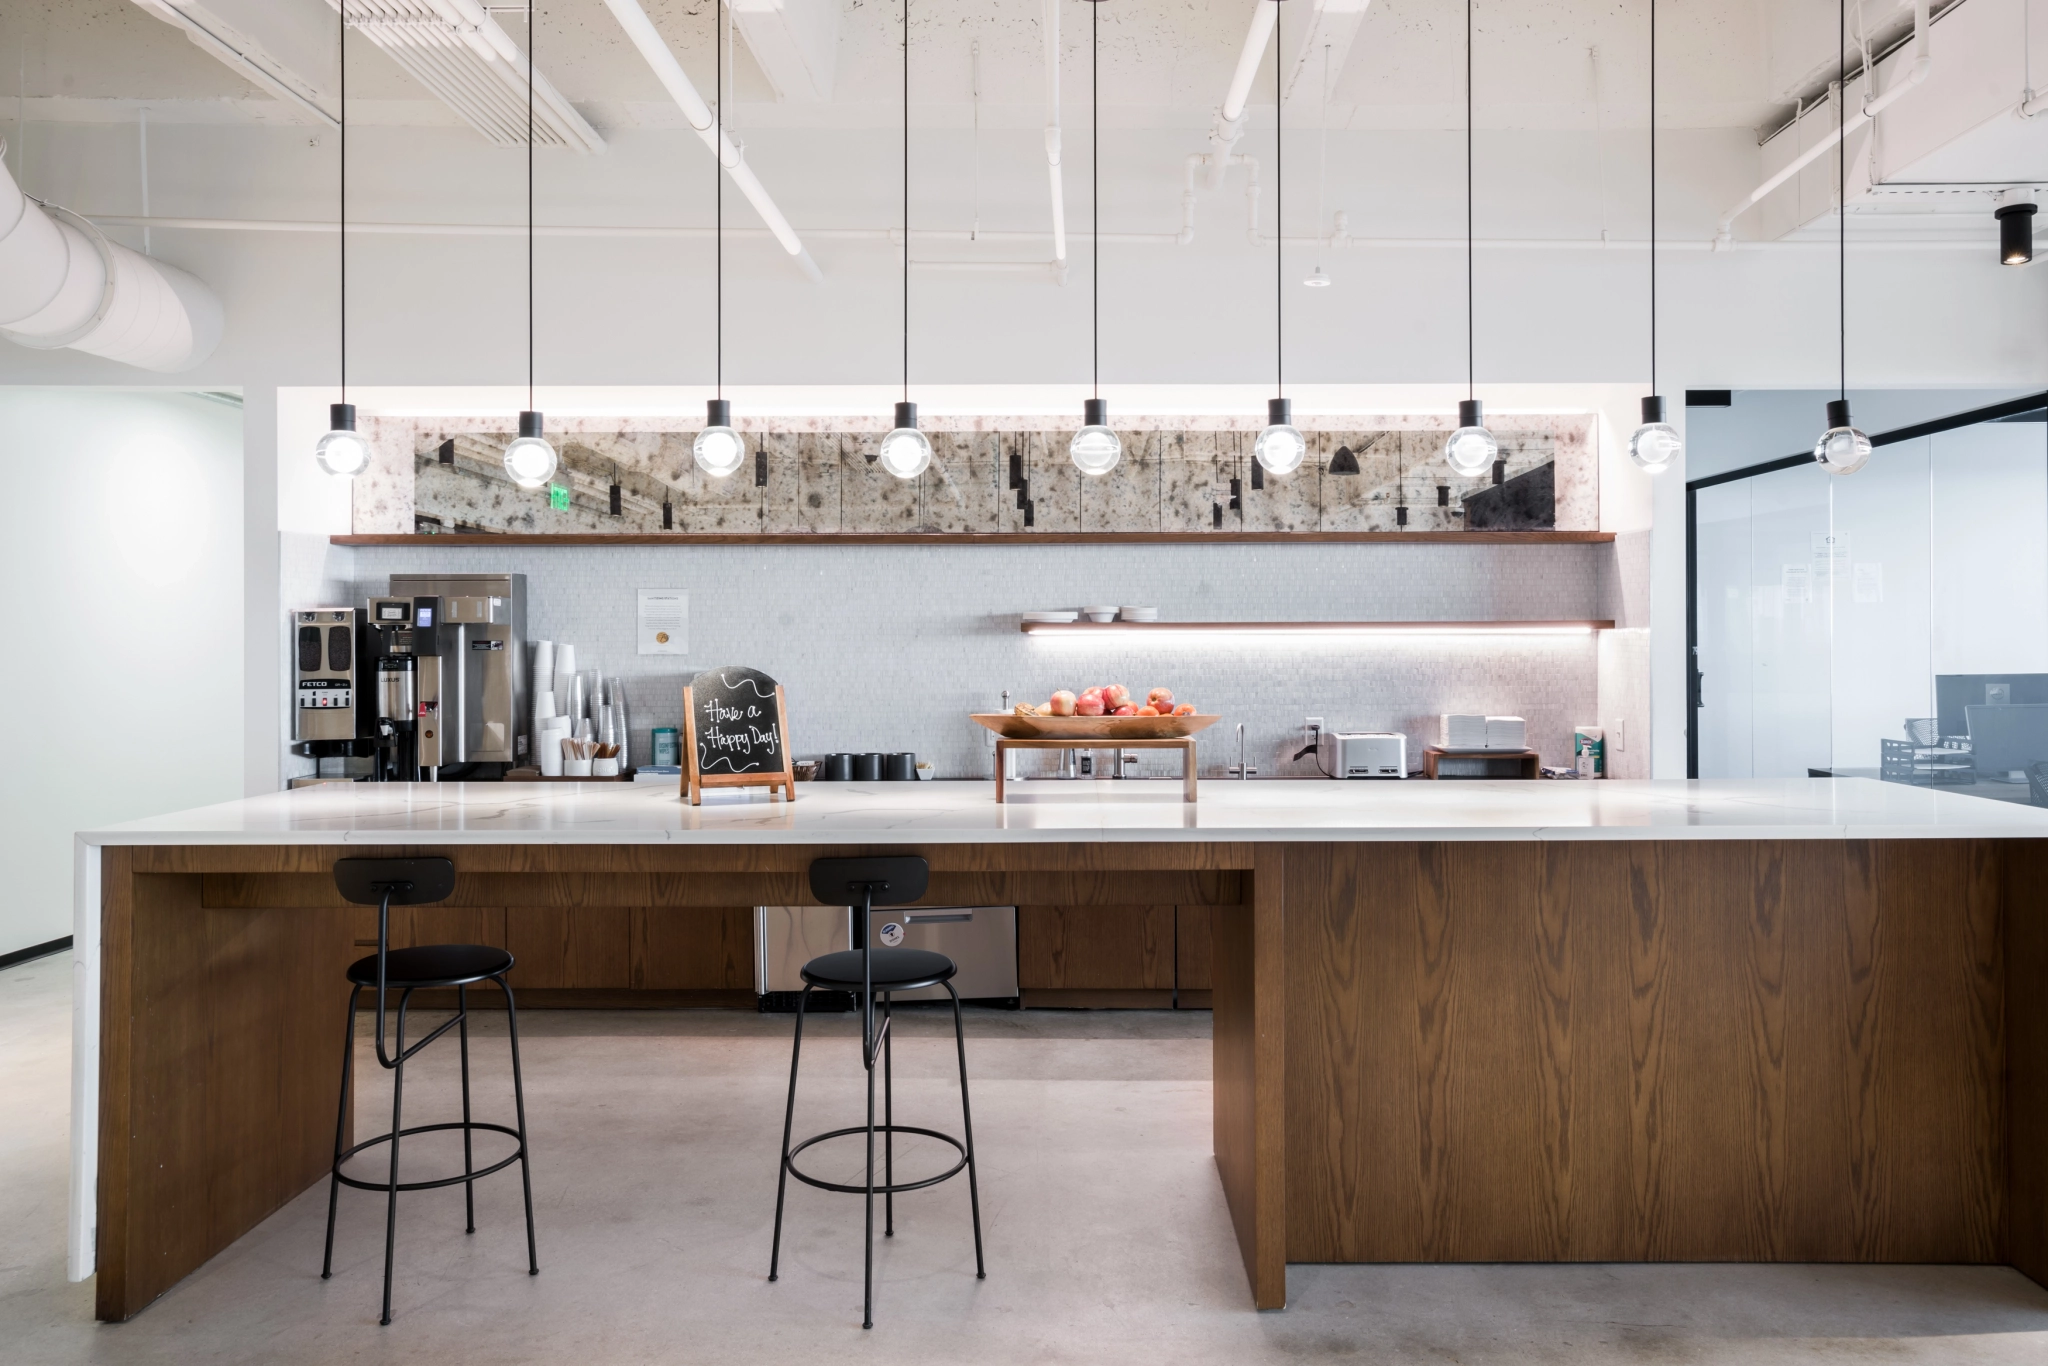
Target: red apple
<point x="1089" y="704"/>
<point x="1116" y="695"/>
<point x="1062" y="703"/>
<point x="1125" y="710"/>
<point x="1161" y="698"/>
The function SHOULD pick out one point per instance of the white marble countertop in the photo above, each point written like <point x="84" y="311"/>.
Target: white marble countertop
<point x="1052" y="811"/>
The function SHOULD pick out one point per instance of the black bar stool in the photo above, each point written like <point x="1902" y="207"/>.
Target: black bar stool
<point x="864" y="883"/>
<point x="384" y="883"/>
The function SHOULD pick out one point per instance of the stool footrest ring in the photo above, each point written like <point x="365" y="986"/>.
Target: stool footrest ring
<point x="880" y="1189"/>
<point x="457" y="1180"/>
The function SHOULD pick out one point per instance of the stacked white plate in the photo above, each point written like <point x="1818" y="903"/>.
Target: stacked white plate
<point x="1100" y="613"/>
<point x="1139" y="613"/>
<point x="1050" y="618"/>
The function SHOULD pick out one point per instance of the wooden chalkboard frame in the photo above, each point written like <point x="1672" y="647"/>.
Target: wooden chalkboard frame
<point x="695" y="782"/>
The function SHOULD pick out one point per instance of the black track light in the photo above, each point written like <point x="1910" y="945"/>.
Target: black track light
<point x="2015" y="234"/>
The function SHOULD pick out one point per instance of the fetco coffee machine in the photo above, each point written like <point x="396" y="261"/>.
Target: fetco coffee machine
<point x="436" y="686"/>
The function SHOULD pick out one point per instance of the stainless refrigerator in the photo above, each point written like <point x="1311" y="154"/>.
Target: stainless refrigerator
<point x="981" y="941"/>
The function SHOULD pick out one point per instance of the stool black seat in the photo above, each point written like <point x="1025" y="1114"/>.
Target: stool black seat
<point x="432" y="965"/>
<point x="861" y="884"/>
<point x="888" y="970"/>
<point x="385" y="883"/>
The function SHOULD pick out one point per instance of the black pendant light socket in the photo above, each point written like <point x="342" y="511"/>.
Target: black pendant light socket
<point x="617" y="500"/>
<point x="529" y="423"/>
<point x="1471" y="412"/>
<point x="668" y="515"/>
<point x="341" y="417"/>
<point x="1095" y="412"/>
<point x="761" y="467"/>
<point x="1838" y="413"/>
<point x="1258" y="475"/>
<point x="2015" y="234"/>
<point x="906" y="415"/>
<point x="717" y="412"/>
<point x="1653" y="409"/>
<point x="1279" y="412"/>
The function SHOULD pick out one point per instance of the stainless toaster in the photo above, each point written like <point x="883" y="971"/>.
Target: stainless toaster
<point x="1353" y="755"/>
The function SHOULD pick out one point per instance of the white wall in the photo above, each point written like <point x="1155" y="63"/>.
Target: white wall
<point x="123" y="685"/>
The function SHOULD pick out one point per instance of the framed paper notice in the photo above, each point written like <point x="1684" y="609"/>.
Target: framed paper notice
<point x="664" y="621"/>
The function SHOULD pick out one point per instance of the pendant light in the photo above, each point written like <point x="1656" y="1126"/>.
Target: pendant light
<point x="1656" y="443"/>
<point x="1471" y="449"/>
<point x="342" y="452"/>
<point x="1842" y="449"/>
<point x="718" y="449"/>
<point x="1096" y="448"/>
<point x="1279" y="448"/>
<point x="906" y="452"/>
<point x="530" y="460"/>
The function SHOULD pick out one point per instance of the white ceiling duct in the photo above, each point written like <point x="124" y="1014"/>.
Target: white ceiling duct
<point x="457" y="51"/>
<point x="63" y="284"/>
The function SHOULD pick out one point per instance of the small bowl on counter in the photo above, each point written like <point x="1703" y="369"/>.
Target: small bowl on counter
<point x="1099" y="613"/>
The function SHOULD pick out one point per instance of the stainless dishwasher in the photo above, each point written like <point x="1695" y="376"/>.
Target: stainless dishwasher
<point x="981" y="941"/>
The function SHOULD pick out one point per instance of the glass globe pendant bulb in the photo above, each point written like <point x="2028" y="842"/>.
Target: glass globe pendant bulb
<point x="342" y="452"/>
<point x="718" y="449"/>
<point x="530" y="460"/>
<point x="1656" y="443"/>
<point x="1096" y="448"/>
<point x="1280" y="448"/>
<point x="1471" y="449"/>
<point x="1842" y="449"/>
<point x="905" y="452"/>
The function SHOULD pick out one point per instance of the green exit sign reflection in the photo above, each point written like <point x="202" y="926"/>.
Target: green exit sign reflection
<point x="558" y="498"/>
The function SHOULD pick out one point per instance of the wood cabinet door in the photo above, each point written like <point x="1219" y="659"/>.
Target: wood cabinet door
<point x="1193" y="947"/>
<point x="693" y="948"/>
<point x="1095" y="948"/>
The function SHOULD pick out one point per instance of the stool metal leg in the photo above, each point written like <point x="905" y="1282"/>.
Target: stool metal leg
<point x="397" y="1123"/>
<point x="468" y="1160"/>
<point x="519" y="1104"/>
<point x="348" y="1054"/>
<point x="967" y="1132"/>
<point x="867" y="1302"/>
<point x="888" y="1121"/>
<point x="796" y="1054"/>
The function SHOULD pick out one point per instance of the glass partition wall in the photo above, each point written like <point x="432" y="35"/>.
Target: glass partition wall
<point x="1888" y="624"/>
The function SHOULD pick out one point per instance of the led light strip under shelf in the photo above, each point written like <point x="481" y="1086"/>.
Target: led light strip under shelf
<point x="1319" y="628"/>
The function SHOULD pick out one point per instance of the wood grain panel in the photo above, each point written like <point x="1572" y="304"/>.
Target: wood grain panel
<point x="230" y="890"/>
<point x="693" y="950"/>
<point x="226" y="1031"/>
<point x="1193" y="949"/>
<point x="2024" y="899"/>
<point x="1250" y="1051"/>
<point x="1123" y="948"/>
<point x="1678" y="1050"/>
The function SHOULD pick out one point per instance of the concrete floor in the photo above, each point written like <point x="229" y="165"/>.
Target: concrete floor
<point x="655" y="1136"/>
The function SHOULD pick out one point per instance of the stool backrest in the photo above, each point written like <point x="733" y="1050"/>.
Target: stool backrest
<point x="885" y="880"/>
<point x="384" y="883"/>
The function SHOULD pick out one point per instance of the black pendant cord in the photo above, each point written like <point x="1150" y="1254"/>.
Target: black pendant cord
<point x="1279" y="222"/>
<point x="906" y="201"/>
<point x="1471" y="366"/>
<point x="1653" y="196"/>
<point x="1095" y="179"/>
<point x="530" y="25"/>
<point x="1842" y="196"/>
<point x="341" y="213"/>
<point x="718" y="189"/>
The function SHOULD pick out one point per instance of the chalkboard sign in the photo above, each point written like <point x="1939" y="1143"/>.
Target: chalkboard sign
<point x="736" y="733"/>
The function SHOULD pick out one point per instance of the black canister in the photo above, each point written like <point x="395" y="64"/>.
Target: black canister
<point x="900" y="768"/>
<point x="867" y="768"/>
<point x="836" y="768"/>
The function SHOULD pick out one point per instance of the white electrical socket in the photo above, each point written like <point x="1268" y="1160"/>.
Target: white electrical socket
<point x="1313" y="724"/>
<point x="1620" y="730"/>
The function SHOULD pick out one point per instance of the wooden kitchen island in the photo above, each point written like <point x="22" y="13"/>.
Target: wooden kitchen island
<point x="1574" y="1021"/>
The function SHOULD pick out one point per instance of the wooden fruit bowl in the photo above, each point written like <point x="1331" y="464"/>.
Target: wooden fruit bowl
<point x="1108" y="729"/>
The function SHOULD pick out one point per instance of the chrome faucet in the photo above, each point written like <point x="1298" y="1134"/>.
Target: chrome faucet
<point x="1242" y="769"/>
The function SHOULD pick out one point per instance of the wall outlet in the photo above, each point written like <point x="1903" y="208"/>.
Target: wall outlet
<point x="1618" y="730"/>
<point x="1313" y="725"/>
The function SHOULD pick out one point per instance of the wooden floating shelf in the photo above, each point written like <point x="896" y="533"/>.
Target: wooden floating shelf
<point x="688" y="538"/>
<point x="1320" y="628"/>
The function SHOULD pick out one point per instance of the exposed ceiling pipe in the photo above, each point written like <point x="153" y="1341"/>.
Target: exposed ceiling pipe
<point x="1341" y="238"/>
<point x="644" y="36"/>
<point x="1914" y="78"/>
<point x="63" y="284"/>
<point x="229" y="48"/>
<point x="1229" y="125"/>
<point x="1052" y="131"/>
